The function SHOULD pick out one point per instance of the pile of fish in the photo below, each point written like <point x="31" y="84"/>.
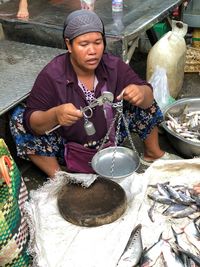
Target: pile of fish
<point x="178" y="201"/>
<point x="181" y="250"/>
<point x="186" y="125"/>
<point x="179" y="242"/>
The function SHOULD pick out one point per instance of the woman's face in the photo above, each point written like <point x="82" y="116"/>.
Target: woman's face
<point x="86" y="51"/>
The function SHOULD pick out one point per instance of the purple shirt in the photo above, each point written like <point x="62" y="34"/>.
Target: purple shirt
<point x="57" y="84"/>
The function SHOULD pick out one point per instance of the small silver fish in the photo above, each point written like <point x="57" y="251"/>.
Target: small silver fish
<point x="161" y="199"/>
<point x="174" y="194"/>
<point x="186" y="212"/>
<point x="172" y="209"/>
<point x="171" y="259"/>
<point x="150" y="211"/>
<point x="181" y="242"/>
<point x="133" y="250"/>
<point x="151" y="255"/>
<point x="193" y="235"/>
<point x="163" y="190"/>
<point x="197" y="223"/>
<point x="195" y="258"/>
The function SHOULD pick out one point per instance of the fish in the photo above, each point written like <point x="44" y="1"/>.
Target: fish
<point x="186" y="125"/>
<point x="192" y="234"/>
<point x="187" y="199"/>
<point x="197" y="223"/>
<point x="181" y="200"/>
<point x="174" y="194"/>
<point x="163" y="190"/>
<point x="194" y="258"/>
<point x="185" y="213"/>
<point x="151" y="255"/>
<point x="150" y="211"/>
<point x="181" y="242"/>
<point x="156" y="185"/>
<point x="180" y="197"/>
<point x="161" y="199"/>
<point x="170" y="258"/>
<point x="186" y="261"/>
<point x="172" y="209"/>
<point x="133" y="250"/>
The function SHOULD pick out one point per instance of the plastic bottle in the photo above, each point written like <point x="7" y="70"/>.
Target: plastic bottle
<point x="170" y="53"/>
<point x="117" y="5"/>
<point x="118" y="25"/>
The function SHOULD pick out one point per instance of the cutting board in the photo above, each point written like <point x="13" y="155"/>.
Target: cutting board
<point x="101" y="203"/>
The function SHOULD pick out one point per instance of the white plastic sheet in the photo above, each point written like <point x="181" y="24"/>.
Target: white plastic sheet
<point x="56" y="242"/>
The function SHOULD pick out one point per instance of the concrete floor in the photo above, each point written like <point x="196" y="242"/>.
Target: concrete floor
<point x="191" y="88"/>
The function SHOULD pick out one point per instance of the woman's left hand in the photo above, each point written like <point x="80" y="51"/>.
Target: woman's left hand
<point x="137" y="95"/>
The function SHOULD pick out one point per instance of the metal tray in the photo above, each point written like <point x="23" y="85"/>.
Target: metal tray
<point x="126" y="161"/>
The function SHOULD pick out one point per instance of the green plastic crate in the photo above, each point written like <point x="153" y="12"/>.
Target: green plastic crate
<point x="161" y="28"/>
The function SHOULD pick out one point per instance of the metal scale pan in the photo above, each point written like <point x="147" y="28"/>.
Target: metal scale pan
<point x="124" y="161"/>
<point x="116" y="162"/>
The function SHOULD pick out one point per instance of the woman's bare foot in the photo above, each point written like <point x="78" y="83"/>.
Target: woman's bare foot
<point x="23" y="10"/>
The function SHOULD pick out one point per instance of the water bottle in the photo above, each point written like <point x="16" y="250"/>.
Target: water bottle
<point x="117" y="5"/>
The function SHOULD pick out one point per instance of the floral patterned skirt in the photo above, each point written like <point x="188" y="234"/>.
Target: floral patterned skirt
<point x="140" y="121"/>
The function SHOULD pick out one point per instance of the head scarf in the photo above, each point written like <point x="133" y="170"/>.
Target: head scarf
<point x="80" y="22"/>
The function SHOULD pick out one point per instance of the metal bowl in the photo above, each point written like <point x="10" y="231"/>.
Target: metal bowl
<point x="186" y="148"/>
<point x="125" y="160"/>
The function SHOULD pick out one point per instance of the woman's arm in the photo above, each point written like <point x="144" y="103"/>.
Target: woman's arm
<point x="42" y="121"/>
<point x="136" y="91"/>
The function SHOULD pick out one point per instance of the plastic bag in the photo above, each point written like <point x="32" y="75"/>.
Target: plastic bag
<point x="160" y="86"/>
<point x="170" y="53"/>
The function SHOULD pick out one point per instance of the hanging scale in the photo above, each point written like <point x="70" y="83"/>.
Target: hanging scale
<point x="116" y="161"/>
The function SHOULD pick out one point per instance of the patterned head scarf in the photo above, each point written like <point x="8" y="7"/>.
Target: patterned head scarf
<point x="80" y="22"/>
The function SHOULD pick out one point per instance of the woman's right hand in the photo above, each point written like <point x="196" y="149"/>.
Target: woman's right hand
<point x="68" y="114"/>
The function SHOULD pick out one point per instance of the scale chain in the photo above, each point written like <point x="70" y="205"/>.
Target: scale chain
<point x="119" y="113"/>
<point x="129" y="134"/>
<point x="117" y="106"/>
<point x="108" y="132"/>
<point x="118" y="117"/>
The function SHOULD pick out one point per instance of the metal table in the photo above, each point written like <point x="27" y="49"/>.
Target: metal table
<point x="123" y="29"/>
<point x="191" y="14"/>
<point x="20" y="64"/>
